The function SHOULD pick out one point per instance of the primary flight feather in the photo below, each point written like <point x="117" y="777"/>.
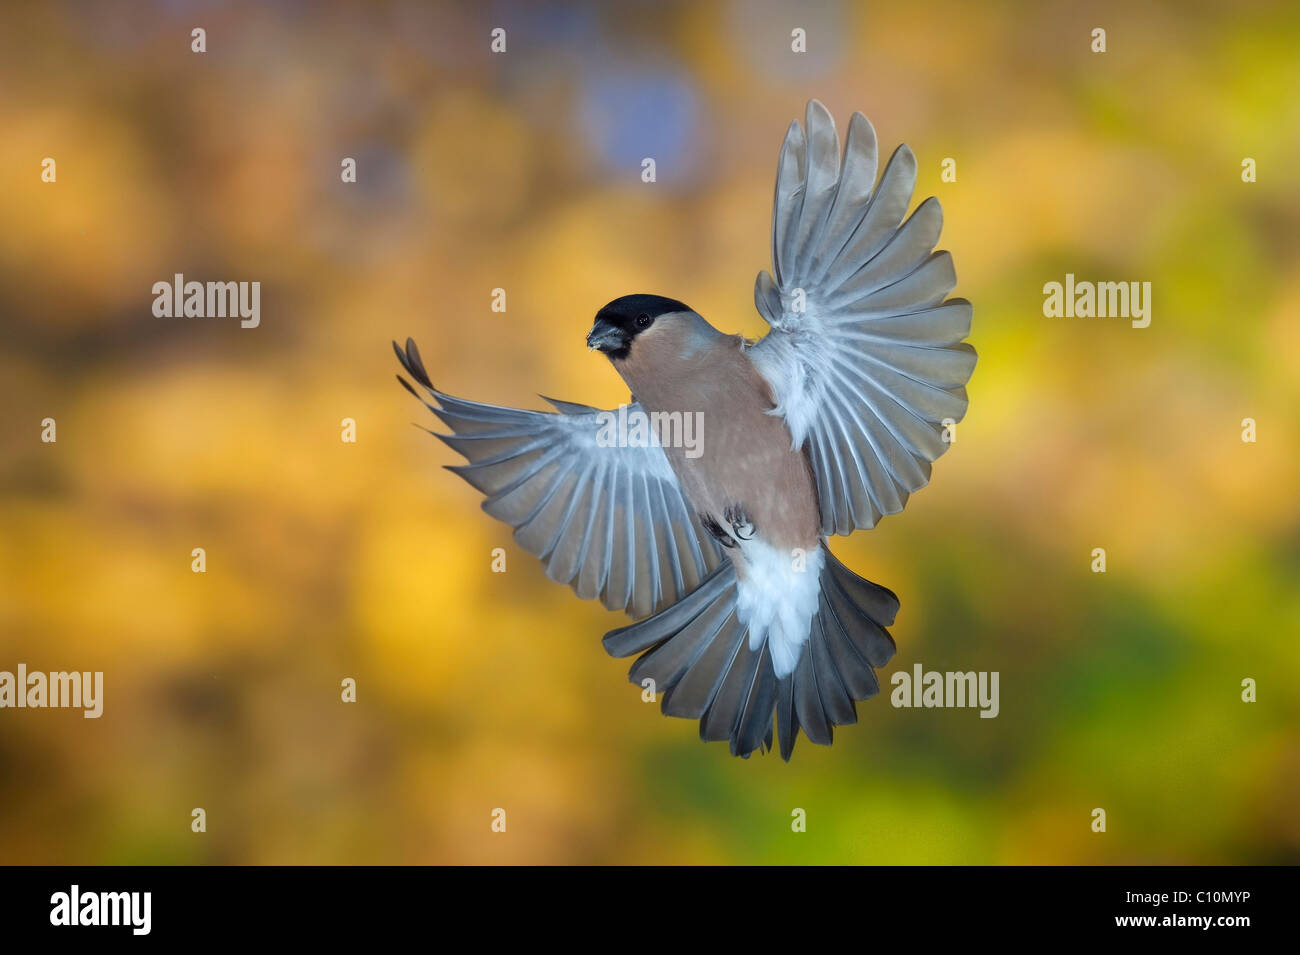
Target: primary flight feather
<point x="747" y="622"/>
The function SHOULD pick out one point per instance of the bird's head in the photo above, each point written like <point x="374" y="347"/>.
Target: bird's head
<point x="626" y="322"/>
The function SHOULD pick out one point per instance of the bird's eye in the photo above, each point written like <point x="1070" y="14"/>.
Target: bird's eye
<point x="643" y="320"/>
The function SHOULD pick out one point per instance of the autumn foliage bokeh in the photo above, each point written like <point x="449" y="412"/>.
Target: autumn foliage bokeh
<point x="521" y="171"/>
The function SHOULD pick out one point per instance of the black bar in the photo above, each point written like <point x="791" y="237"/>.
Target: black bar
<point x="234" y="904"/>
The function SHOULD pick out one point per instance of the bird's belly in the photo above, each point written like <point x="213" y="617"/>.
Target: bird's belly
<point x="744" y="466"/>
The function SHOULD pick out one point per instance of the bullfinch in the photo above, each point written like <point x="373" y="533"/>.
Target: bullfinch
<point x="717" y="546"/>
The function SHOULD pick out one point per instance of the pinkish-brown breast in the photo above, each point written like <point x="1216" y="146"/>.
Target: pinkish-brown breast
<point x="744" y="454"/>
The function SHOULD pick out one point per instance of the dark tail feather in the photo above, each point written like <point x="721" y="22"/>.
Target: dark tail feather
<point x="847" y="641"/>
<point x="697" y="653"/>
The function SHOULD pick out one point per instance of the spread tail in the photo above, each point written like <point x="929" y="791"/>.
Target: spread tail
<point x="697" y="653"/>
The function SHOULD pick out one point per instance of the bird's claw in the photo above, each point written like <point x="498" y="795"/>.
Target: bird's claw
<point x="741" y="526"/>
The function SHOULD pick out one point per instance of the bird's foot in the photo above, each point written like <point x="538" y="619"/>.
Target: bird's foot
<point x="741" y="525"/>
<point x="715" y="530"/>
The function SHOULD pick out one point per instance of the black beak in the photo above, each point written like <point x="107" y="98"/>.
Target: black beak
<point x="606" y="337"/>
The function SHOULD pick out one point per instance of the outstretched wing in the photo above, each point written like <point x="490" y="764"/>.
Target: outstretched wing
<point x="607" y="520"/>
<point x="865" y="357"/>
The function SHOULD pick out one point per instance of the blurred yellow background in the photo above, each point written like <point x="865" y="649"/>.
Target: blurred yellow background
<point x="521" y="171"/>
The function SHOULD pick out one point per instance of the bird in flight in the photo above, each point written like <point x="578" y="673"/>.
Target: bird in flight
<point x="743" y="618"/>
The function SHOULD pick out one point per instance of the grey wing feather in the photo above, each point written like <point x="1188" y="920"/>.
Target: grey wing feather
<point x="866" y="358"/>
<point x="609" y="521"/>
